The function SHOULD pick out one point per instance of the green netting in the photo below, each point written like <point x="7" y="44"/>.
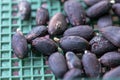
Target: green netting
<point x="12" y="68"/>
<point x="31" y="68"/>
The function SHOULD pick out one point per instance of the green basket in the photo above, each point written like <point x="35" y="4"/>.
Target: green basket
<point x="31" y="68"/>
<point x="12" y="68"/>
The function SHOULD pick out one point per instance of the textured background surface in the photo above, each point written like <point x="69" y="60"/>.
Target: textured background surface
<point x="11" y="68"/>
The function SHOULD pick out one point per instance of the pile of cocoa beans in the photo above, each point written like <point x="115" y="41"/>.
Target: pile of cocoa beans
<point x="73" y="48"/>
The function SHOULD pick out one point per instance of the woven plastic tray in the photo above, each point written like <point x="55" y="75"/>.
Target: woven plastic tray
<point x="31" y="68"/>
<point x="12" y="68"/>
